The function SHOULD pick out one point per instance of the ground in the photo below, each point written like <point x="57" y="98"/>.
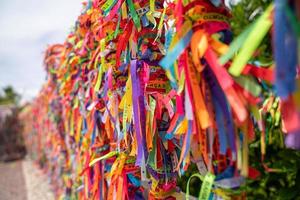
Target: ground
<point x="22" y="180"/>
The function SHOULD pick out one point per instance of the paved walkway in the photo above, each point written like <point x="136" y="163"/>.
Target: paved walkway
<point x="21" y="180"/>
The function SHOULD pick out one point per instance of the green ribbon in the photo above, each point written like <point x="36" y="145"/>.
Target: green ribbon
<point x="106" y="156"/>
<point x="108" y="5"/>
<point x="236" y="44"/>
<point x="135" y="17"/>
<point x="207" y="184"/>
<point x="260" y="29"/>
<point x="249" y="84"/>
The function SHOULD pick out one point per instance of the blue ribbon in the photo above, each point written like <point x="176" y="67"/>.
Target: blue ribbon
<point x="174" y="53"/>
<point x="285" y="51"/>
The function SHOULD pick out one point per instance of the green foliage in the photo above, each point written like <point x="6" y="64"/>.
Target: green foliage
<point x="245" y="12"/>
<point x="9" y="96"/>
<point x="281" y="184"/>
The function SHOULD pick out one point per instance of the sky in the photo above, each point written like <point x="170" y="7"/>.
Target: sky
<point x="27" y="27"/>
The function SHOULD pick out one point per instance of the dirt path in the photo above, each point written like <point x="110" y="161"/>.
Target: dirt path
<point x="21" y="180"/>
<point x="12" y="181"/>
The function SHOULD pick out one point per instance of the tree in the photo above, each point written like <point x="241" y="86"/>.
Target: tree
<point x="10" y="96"/>
<point x="11" y="141"/>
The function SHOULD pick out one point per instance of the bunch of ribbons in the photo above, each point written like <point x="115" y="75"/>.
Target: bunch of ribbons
<point x="142" y="89"/>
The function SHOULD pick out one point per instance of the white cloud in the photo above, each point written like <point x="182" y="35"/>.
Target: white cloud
<point x="27" y="27"/>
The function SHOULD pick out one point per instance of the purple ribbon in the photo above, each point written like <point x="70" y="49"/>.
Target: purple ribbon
<point x="218" y="94"/>
<point x="138" y="112"/>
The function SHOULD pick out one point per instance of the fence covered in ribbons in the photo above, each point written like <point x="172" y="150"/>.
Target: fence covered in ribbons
<point x="143" y="91"/>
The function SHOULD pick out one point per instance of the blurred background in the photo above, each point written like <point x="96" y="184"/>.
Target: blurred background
<point x="27" y="27"/>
